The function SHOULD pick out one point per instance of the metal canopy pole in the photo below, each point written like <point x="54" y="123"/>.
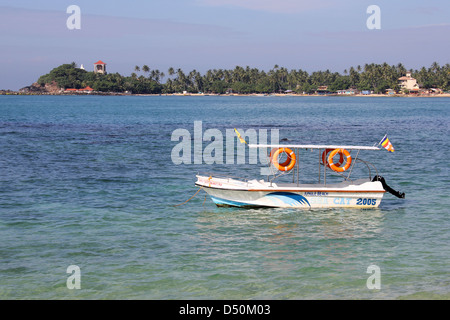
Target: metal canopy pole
<point x="293" y="174"/>
<point x="298" y="160"/>
<point x="351" y="168"/>
<point x="319" y="165"/>
<point x="325" y="169"/>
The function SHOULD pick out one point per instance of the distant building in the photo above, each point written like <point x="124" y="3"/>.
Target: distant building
<point x="409" y="83"/>
<point x="87" y="89"/>
<point x="436" y="91"/>
<point x="100" y="67"/>
<point x="82" y="67"/>
<point x="390" y="92"/>
<point x="83" y="90"/>
<point x="322" y="90"/>
<point x="349" y="92"/>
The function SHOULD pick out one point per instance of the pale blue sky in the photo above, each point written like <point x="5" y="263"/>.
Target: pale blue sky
<point x="208" y="34"/>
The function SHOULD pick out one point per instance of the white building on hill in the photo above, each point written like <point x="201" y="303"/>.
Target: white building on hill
<point x="409" y="83"/>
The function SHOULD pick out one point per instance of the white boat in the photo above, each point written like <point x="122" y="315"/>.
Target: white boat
<point x="359" y="193"/>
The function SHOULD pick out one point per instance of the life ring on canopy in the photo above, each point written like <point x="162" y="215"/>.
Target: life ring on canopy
<point x="324" y="157"/>
<point x="291" y="157"/>
<point x="285" y="163"/>
<point x="341" y="152"/>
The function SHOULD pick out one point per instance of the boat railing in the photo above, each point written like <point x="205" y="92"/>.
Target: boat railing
<point x="368" y="164"/>
<point x="345" y="175"/>
<point x="223" y="176"/>
<point x="276" y="174"/>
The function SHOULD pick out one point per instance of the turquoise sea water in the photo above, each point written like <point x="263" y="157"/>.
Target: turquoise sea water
<point x="89" y="181"/>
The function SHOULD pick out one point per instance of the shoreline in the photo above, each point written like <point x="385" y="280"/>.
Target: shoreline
<point x="16" y="93"/>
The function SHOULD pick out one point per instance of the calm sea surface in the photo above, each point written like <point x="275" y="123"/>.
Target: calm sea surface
<point x="89" y="181"/>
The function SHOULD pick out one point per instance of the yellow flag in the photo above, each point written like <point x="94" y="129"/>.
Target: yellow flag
<point x="239" y="136"/>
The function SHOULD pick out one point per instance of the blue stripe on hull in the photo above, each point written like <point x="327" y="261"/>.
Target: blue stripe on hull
<point x="289" y="198"/>
<point x="275" y="199"/>
<point x="230" y="203"/>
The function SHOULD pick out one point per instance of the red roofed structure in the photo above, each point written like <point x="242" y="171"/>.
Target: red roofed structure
<point x="83" y="90"/>
<point x="100" y="67"/>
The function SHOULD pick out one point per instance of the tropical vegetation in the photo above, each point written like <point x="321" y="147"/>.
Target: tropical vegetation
<point x="144" y="80"/>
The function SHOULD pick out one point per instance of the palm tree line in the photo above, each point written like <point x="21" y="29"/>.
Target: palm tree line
<point x="374" y="77"/>
<point x="154" y="75"/>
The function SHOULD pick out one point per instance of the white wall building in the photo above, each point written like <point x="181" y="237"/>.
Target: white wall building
<point x="407" y="82"/>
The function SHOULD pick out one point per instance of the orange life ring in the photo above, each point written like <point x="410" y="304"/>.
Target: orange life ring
<point x="285" y="163"/>
<point x="324" y="156"/>
<point x="291" y="155"/>
<point x="342" y="152"/>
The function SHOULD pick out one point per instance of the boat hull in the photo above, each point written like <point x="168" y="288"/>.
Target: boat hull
<point x="256" y="194"/>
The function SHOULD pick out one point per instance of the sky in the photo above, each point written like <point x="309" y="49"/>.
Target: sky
<point x="219" y="34"/>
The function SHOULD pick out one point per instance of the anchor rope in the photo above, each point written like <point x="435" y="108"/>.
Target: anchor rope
<point x="190" y="197"/>
<point x="209" y="179"/>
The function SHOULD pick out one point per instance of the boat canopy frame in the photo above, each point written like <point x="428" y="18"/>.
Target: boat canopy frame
<point x="297" y="148"/>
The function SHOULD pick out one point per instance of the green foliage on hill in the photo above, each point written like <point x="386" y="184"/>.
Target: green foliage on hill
<point x="374" y="77"/>
<point x="69" y="76"/>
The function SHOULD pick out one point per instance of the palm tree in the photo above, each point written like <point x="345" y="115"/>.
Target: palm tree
<point x="227" y="76"/>
<point x="171" y="71"/>
<point x="137" y="69"/>
<point x="156" y="75"/>
<point x="401" y="69"/>
<point x="195" y="79"/>
<point x="238" y="74"/>
<point x="435" y="67"/>
<point x="168" y="87"/>
<point x="153" y="75"/>
<point x="145" y="68"/>
<point x="219" y="74"/>
<point x="181" y="80"/>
